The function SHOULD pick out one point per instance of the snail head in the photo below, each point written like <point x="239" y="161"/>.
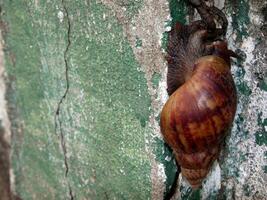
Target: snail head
<point x="220" y="49"/>
<point x="212" y="17"/>
<point x="187" y="43"/>
<point x="207" y="36"/>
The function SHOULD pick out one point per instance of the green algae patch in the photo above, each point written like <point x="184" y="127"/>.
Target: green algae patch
<point x="103" y="116"/>
<point x="37" y="159"/>
<point x="239" y="11"/>
<point x="178" y="11"/>
<point x="260" y="135"/>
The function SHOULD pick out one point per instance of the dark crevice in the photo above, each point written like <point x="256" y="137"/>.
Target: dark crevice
<point x="5" y="189"/>
<point x="70" y="193"/>
<point x="58" y="122"/>
<point x="106" y="195"/>
<point x="63" y="146"/>
<point x="174" y="186"/>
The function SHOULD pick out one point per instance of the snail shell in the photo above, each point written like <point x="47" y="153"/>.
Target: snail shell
<point x="202" y="104"/>
<point x="195" y="119"/>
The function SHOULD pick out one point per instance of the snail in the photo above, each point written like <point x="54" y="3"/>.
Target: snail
<point x="202" y="96"/>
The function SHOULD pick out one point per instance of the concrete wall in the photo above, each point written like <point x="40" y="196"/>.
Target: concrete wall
<point x="85" y="83"/>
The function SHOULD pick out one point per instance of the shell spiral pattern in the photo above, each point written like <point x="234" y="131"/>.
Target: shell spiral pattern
<point x="195" y="119"/>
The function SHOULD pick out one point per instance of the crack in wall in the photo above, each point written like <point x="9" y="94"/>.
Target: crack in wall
<point x="58" y="122"/>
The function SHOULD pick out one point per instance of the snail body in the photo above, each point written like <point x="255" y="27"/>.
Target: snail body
<point x="196" y="117"/>
<point x="202" y="104"/>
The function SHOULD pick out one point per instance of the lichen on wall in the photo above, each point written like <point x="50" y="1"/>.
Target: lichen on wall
<point x="83" y="104"/>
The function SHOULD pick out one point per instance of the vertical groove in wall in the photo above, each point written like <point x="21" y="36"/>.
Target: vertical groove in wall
<point x="5" y="134"/>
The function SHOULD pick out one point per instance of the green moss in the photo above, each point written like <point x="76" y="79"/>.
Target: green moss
<point x="104" y="115"/>
<point x="39" y="158"/>
<point x="240" y="20"/>
<point x="164" y="40"/>
<point x="263" y="84"/>
<point x="244" y="89"/>
<point x="178" y="10"/>
<point x="213" y="195"/>
<point x="241" y="84"/>
<point x="116" y="105"/>
<point x="260" y="135"/>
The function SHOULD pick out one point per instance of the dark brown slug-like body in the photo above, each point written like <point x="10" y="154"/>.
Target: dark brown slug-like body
<point x="202" y="104"/>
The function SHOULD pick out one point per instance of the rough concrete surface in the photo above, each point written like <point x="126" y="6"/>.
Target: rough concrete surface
<point x="86" y="81"/>
<point x="5" y="134"/>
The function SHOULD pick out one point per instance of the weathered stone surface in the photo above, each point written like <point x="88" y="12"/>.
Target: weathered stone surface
<point x="5" y="135"/>
<point x="86" y="83"/>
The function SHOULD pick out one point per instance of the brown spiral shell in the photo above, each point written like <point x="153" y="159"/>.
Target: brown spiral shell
<point x="195" y="119"/>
